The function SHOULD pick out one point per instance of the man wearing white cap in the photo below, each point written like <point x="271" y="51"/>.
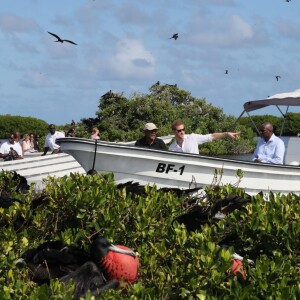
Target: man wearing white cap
<point x="150" y="140"/>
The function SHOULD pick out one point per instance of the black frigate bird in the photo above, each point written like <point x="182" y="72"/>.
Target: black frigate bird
<point x="200" y="215"/>
<point x="55" y="259"/>
<point x="277" y="77"/>
<point x="226" y="71"/>
<point x="138" y="189"/>
<point x="21" y="186"/>
<point x="174" y="36"/>
<point x="61" y="40"/>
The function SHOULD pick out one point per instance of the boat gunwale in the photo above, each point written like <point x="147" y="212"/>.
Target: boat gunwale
<point x="164" y="152"/>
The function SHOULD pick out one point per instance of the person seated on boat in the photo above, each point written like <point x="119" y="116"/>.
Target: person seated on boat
<point x="50" y="140"/>
<point x="189" y="143"/>
<point x="150" y="140"/>
<point x="71" y="132"/>
<point x="27" y="145"/>
<point x="11" y="150"/>
<point x="17" y="136"/>
<point x="31" y="139"/>
<point x="36" y="142"/>
<point x="270" y="148"/>
<point x="95" y="134"/>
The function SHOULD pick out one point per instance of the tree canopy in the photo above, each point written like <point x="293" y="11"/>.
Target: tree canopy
<point x="9" y="124"/>
<point x="123" y="119"/>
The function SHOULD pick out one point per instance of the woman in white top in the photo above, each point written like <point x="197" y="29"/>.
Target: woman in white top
<point x="27" y="147"/>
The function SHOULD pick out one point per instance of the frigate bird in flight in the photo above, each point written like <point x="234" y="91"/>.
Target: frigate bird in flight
<point x="175" y="36"/>
<point x="226" y="71"/>
<point x="277" y="77"/>
<point x="61" y="40"/>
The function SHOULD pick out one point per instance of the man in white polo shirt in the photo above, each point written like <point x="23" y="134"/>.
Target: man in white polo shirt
<point x="11" y="150"/>
<point x="51" y="139"/>
<point x="189" y="142"/>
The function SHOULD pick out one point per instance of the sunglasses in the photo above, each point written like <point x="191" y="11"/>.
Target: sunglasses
<point x="179" y="130"/>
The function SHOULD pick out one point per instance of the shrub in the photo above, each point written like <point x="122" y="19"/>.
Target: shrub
<point x="9" y="124"/>
<point x="175" y="264"/>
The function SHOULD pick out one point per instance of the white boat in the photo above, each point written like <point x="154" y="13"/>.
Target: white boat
<point x="35" y="168"/>
<point x="171" y="169"/>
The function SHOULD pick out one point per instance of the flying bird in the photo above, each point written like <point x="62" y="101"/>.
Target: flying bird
<point x="226" y="71"/>
<point x="60" y="40"/>
<point x="175" y="36"/>
<point x="277" y="77"/>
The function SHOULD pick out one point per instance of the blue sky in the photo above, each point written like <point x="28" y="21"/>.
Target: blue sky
<point x="124" y="46"/>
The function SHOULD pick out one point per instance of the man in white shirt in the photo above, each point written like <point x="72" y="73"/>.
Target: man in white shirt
<point x="51" y="139"/>
<point x="189" y="142"/>
<point x="270" y="148"/>
<point x="11" y="150"/>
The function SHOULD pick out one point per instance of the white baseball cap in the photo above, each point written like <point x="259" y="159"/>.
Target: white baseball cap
<point x="150" y="126"/>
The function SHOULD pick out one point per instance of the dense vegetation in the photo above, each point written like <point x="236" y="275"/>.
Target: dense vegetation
<point x="175" y="264"/>
<point x="9" y="124"/>
<point x="291" y="125"/>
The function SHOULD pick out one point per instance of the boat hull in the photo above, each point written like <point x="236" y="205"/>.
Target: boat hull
<point x="172" y="169"/>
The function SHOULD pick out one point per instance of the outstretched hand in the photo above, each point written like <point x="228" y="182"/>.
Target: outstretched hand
<point x="234" y="135"/>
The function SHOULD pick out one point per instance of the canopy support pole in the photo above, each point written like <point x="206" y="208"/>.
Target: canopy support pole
<point x="284" y="119"/>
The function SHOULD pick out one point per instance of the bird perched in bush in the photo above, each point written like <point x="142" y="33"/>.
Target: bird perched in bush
<point x="20" y="186"/>
<point x="138" y="189"/>
<point x="117" y="262"/>
<point x="103" y="268"/>
<point x="199" y="215"/>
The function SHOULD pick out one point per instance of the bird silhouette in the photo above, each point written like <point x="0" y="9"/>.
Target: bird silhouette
<point x="226" y="71"/>
<point x="61" y="40"/>
<point x="174" y="36"/>
<point x="277" y="77"/>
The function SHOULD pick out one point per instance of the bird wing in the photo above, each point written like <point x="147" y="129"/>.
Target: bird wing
<point x="69" y="42"/>
<point x="55" y="35"/>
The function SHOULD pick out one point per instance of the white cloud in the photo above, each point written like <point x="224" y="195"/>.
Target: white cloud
<point x="132" y="60"/>
<point x="222" y="32"/>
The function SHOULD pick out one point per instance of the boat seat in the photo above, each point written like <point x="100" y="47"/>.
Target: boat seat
<point x="292" y="154"/>
<point x="294" y="163"/>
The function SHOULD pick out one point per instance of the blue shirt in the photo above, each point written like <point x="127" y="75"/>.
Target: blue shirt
<point x="271" y="151"/>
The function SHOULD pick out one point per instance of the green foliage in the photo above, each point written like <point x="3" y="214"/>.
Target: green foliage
<point x="291" y="125"/>
<point x="9" y="124"/>
<point x="174" y="264"/>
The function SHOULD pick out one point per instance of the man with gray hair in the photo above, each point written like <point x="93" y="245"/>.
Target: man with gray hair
<point x="150" y="140"/>
<point x="270" y="148"/>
